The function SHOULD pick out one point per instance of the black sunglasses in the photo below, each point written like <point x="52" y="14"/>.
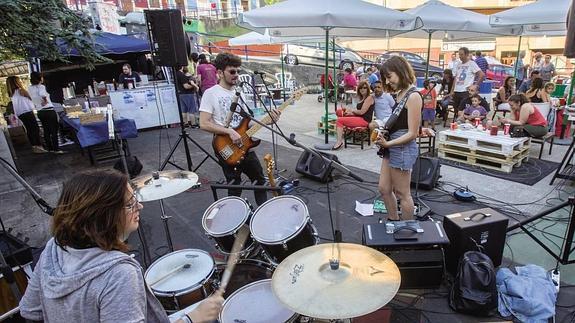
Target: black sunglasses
<point x="233" y="72"/>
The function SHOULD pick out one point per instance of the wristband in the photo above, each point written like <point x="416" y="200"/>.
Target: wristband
<point x="186" y="319"/>
<point x="189" y="318"/>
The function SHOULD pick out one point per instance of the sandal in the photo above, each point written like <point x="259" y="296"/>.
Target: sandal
<point x="393" y="220"/>
<point x="338" y="147"/>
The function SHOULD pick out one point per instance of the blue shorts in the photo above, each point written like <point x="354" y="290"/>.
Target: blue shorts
<point x="402" y="156"/>
<point x="428" y="114"/>
<point x="189" y="103"/>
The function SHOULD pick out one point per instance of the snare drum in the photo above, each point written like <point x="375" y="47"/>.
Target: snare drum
<point x="223" y="219"/>
<point x="282" y="226"/>
<point x="181" y="278"/>
<point x="255" y="303"/>
<point x="246" y="271"/>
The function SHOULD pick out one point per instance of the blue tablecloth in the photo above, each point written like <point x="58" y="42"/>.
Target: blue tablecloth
<point x="97" y="132"/>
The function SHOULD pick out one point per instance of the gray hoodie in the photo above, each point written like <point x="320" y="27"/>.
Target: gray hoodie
<point x="89" y="285"/>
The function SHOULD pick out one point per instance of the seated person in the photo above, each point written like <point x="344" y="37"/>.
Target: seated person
<point x="446" y="85"/>
<point x="372" y="76"/>
<point x="429" y="104"/>
<point x="472" y="90"/>
<point x="507" y="90"/>
<point x="525" y="114"/>
<point x="474" y="110"/>
<point x="536" y="93"/>
<point x="549" y="88"/>
<point x="526" y="84"/>
<point x="384" y="103"/>
<point x="349" y="81"/>
<point x="360" y="117"/>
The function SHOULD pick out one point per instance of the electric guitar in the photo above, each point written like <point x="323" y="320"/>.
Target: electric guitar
<point x="231" y="153"/>
<point x="270" y="171"/>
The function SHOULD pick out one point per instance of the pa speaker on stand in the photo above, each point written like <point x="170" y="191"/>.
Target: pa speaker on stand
<point x="314" y="167"/>
<point x="425" y="172"/>
<point x="167" y="37"/>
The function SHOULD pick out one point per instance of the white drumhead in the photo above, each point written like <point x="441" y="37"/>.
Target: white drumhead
<point x="178" y="276"/>
<point x="225" y="215"/>
<point x="279" y="219"/>
<point x="254" y="303"/>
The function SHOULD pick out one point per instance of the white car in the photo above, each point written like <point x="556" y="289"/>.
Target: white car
<point x="314" y="54"/>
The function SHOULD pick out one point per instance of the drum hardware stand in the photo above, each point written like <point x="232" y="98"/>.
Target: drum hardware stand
<point x="218" y="186"/>
<point x="565" y="169"/>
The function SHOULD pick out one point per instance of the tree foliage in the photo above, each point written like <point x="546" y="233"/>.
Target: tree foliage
<point x="268" y="2"/>
<point x="35" y="27"/>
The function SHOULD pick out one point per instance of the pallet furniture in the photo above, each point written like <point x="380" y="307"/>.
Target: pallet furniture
<point x="479" y="148"/>
<point x="356" y="136"/>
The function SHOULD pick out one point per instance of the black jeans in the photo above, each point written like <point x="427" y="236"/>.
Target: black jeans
<point x="49" y="120"/>
<point x="32" y="129"/>
<point x="457" y="98"/>
<point x="250" y="166"/>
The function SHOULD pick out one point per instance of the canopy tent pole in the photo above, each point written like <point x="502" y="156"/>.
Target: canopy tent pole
<point x="518" y="58"/>
<point x="428" y="53"/>
<point x="336" y="85"/>
<point x="283" y="82"/>
<point x="325" y="84"/>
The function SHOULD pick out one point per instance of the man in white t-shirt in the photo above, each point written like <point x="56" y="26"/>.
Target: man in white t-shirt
<point x="454" y="62"/>
<point x="214" y="108"/>
<point x="466" y="74"/>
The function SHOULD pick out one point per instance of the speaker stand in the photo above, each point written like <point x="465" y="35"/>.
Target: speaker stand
<point x="422" y="209"/>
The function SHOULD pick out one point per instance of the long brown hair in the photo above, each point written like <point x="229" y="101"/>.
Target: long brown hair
<point x="90" y="212"/>
<point x="518" y="98"/>
<point x="359" y="86"/>
<point x="402" y="68"/>
<point x="14" y="83"/>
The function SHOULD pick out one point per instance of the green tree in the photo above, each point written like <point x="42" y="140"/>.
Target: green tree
<point x="270" y="2"/>
<point x="33" y="26"/>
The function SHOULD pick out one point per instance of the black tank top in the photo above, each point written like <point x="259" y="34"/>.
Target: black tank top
<point x="368" y="115"/>
<point x="401" y="122"/>
<point x="535" y="99"/>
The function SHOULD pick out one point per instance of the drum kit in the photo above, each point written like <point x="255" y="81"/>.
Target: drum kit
<point x="280" y="274"/>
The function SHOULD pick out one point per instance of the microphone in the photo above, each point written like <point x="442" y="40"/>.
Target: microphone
<point x="233" y="108"/>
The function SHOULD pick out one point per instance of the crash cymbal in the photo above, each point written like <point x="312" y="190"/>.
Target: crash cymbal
<point x="365" y="281"/>
<point x="160" y="185"/>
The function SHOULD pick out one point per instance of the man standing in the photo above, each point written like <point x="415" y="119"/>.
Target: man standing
<point x="128" y="77"/>
<point x="454" y="62"/>
<point x="187" y="90"/>
<point x="520" y="69"/>
<point x="466" y="75"/>
<point x="214" y="108"/>
<point x="481" y="62"/>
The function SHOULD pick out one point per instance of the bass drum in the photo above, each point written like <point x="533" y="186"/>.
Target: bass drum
<point x="245" y="272"/>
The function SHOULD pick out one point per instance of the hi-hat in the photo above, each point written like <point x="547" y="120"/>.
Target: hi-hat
<point x="365" y="281"/>
<point x="160" y="185"/>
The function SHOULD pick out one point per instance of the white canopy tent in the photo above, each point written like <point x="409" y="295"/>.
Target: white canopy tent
<point x="325" y="18"/>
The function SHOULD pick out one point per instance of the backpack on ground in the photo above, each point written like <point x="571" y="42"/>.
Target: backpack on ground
<point x="134" y="166"/>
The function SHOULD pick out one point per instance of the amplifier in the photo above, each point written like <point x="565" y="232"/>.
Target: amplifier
<point x="15" y="251"/>
<point x="420" y="261"/>
<point x="484" y="230"/>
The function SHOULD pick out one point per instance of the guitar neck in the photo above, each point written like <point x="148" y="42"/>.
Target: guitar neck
<point x="255" y="128"/>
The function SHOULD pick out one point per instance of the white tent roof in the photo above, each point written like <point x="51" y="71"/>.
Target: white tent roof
<point x="443" y="20"/>
<point x="543" y="17"/>
<point x="255" y="38"/>
<point x="349" y="18"/>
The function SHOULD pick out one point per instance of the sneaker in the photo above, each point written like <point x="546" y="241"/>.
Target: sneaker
<point x="59" y="152"/>
<point x="67" y="142"/>
<point x="38" y="150"/>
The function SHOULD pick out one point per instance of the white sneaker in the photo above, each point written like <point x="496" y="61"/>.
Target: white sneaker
<point x="38" y="150"/>
<point x="59" y="152"/>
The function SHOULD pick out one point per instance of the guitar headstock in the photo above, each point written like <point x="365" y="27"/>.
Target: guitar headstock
<point x="270" y="164"/>
<point x="299" y="93"/>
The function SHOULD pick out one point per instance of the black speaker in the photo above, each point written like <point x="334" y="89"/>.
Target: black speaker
<point x="314" y="167"/>
<point x="428" y="173"/>
<point x="167" y="37"/>
<point x="482" y="230"/>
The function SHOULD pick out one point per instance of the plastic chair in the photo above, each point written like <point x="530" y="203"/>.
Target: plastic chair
<point x="545" y="110"/>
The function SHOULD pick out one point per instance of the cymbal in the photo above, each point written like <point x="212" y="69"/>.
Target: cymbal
<point x="365" y="281"/>
<point x="160" y="185"/>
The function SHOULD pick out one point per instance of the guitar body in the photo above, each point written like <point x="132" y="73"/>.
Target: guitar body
<point x="230" y="153"/>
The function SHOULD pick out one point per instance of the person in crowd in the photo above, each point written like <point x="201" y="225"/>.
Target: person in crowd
<point x="193" y="64"/>
<point x="207" y="76"/>
<point x="536" y="93"/>
<point x="527" y="83"/>
<point x="24" y="109"/>
<point x="349" y="81"/>
<point x="474" y="110"/>
<point x="549" y="88"/>
<point x="520" y="69"/>
<point x="466" y="75"/>
<point x="84" y="273"/>
<point x="429" y="104"/>
<point x="503" y="94"/>
<point x="454" y="62"/>
<point x="45" y="111"/>
<point x="128" y="77"/>
<point x="472" y="91"/>
<point x="187" y="90"/>
<point x="384" y="103"/>
<point x="214" y="109"/>
<point x="400" y="151"/>
<point x="538" y="62"/>
<point x="526" y="115"/>
<point x="359" y="117"/>
<point x="547" y="69"/>
<point x="371" y="76"/>
<point x="481" y="61"/>
<point x="447" y="83"/>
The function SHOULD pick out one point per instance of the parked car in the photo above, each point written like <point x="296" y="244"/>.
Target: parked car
<point x="498" y="73"/>
<point x="417" y="62"/>
<point x="314" y="54"/>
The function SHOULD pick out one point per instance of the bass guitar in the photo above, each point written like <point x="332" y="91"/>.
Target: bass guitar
<point x="231" y="153"/>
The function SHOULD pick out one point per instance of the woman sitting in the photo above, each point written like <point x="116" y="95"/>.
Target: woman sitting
<point x="446" y="85"/>
<point x="360" y="117"/>
<point x="537" y="94"/>
<point x="526" y="115"/>
<point x="507" y="90"/>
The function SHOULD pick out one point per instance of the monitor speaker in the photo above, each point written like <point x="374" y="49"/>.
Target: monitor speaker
<point x="314" y="167"/>
<point x="427" y="169"/>
<point x="167" y="37"/>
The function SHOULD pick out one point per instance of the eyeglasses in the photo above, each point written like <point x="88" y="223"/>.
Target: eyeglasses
<point x="131" y="206"/>
<point x="233" y="72"/>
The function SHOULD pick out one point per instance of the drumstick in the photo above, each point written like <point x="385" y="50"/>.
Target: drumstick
<point x="239" y="242"/>
<point x="170" y="273"/>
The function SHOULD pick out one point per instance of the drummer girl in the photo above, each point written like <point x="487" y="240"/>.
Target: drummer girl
<point x="83" y="274"/>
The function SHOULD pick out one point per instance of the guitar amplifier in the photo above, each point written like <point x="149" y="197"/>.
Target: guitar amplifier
<point x="15" y="251"/>
<point x="483" y="230"/>
<point x="420" y="260"/>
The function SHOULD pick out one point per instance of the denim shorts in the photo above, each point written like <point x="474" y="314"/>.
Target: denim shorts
<point x="189" y="103"/>
<point x="402" y="156"/>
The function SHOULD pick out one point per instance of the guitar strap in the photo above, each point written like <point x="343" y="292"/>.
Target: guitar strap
<point x="398" y="108"/>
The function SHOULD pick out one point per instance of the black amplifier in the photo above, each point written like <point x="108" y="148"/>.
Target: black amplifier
<point x="15" y="251"/>
<point x="482" y="230"/>
<point x="420" y="260"/>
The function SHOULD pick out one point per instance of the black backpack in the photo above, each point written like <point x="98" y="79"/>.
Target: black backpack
<point x="134" y="166"/>
<point x="474" y="290"/>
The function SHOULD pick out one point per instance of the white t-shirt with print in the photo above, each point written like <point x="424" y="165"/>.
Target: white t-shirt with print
<point x="465" y="75"/>
<point x="37" y="92"/>
<point x="217" y="101"/>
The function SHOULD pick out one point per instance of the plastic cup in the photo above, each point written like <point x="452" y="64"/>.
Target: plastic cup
<point x="506" y="128"/>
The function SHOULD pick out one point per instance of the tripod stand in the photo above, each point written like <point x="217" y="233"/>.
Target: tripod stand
<point x="184" y="137"/>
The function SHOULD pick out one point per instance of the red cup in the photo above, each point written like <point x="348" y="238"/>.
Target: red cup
<point x="506" y="128"/>
<point x="340" y="112"/>
<point x="494" y="130"/>
<point x="477" y="121"/>
<point x="453" y="126"/>
<point x="562" y="101"/>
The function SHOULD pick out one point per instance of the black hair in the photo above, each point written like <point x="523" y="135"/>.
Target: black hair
<point x="465" y="50"/>
<point x="225" y="59"/>
<point x="35" y="78"/>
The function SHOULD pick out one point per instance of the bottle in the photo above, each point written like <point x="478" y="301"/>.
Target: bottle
<point x="115" y="84"/>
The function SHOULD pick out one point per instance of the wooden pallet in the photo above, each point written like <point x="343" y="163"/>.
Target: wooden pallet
<point x="497" y="155"/>
<point x="477" y="140"/>
<point x="502" y="165"/>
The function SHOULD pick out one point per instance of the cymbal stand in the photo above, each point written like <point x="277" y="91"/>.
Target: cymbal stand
<point x="164" y="217"/>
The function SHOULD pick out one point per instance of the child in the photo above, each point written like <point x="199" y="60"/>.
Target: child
<point x="429" y="104"/>
<point x="473" y="111"/>
<point x="549" y="88"/>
